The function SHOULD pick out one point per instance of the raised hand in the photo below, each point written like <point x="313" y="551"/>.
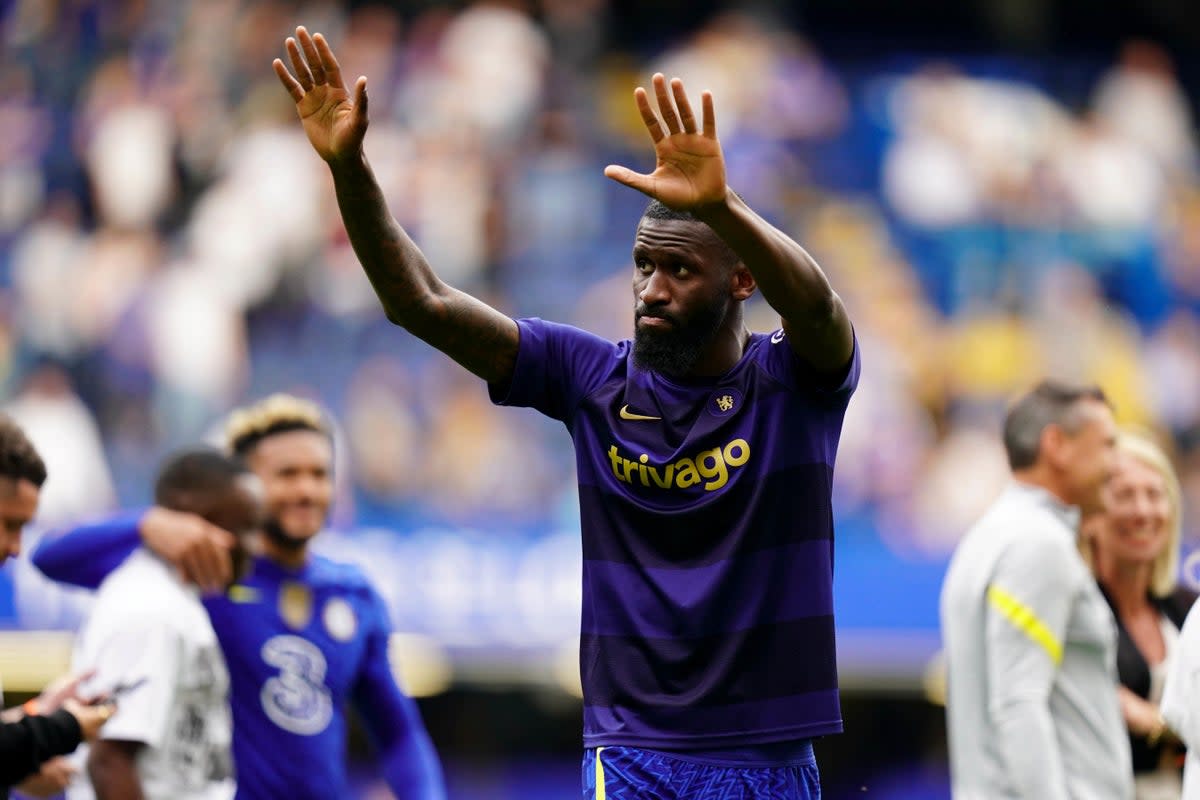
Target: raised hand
<point x="334" y="122"/>
<point x="689" y="172"/>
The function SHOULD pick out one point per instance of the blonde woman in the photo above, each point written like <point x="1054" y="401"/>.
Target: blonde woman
<point x="1133" y="549"/>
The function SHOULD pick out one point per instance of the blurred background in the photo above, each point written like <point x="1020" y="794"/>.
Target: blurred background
<point x="999" y="189"/>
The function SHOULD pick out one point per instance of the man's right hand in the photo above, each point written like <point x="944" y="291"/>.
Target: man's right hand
<point x="335" y="126"/>
<point x="198" y="549"/>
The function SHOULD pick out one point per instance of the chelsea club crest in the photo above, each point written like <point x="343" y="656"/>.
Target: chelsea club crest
<point x="295" y="605"/>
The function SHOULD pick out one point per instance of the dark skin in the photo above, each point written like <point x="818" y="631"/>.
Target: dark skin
<point x="112" y="763"/>
<point x="677" y="268"/>
<point x="296" y="470"/>
<point x="689" y="175"/>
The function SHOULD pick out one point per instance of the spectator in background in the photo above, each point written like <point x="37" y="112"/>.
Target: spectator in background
<point x="1029" y="642"/>
<point x="79" y="483"/>
<point x="1133" y="549"/>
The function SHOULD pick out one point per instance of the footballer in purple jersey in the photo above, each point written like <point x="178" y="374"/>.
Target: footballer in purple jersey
<point x="705" y="454"/>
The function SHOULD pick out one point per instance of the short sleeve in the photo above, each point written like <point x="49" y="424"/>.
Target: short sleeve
<point x="146" y="652"/>
<point x="782" y="363"/>
<point x="557" y="366"/>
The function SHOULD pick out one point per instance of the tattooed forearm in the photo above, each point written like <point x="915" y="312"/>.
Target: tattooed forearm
<point x="468" y="330"/>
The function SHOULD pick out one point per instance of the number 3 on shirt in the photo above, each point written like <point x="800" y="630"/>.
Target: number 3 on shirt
<point x="296" y="699"/>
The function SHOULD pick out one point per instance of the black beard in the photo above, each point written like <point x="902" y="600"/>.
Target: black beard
<point x="676" y="350"/>
<point x="279" y="536"/>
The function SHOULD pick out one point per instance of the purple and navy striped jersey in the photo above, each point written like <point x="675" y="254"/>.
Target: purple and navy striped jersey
<point x="707" y="538"/>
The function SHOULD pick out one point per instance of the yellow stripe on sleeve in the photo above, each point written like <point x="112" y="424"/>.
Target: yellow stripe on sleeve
<point x="1023" y="619"/>
<point x="599" y="776"/>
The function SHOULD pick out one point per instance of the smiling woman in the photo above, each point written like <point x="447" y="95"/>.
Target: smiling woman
<point x="1133" y="548"/>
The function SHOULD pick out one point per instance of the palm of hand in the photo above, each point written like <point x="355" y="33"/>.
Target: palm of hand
<point x="689" y="171"/>
<point x="334" y="122"/>
<point x="328" y="119"/>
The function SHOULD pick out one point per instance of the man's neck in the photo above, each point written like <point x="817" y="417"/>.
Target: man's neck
<point x="1041" y="478"/>
<point x="289" y="557"/>
<point x="724" y="352"/>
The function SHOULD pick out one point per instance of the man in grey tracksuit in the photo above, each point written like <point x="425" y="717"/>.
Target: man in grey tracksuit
<point x="1030" y="643"/>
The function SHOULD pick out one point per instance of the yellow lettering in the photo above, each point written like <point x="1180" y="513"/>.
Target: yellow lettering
<point x="711" y="464"/>
<point x="629" y="467"/>
<point x="743" y="448"/>
<point x="708" y="467"/>
<point x="685" y="473"/>
<point x="665" y="481"/>
<point x="616" y="460"/>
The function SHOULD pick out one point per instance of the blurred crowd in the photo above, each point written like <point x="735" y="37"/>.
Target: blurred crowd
<point x="169" y="245"/>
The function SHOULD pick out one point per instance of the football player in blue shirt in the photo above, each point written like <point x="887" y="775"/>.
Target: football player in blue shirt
<point x="704" y="454"/>
<point x="302" y="635"/>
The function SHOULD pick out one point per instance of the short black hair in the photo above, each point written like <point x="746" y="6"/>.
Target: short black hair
<point x="1049" y="403"/>
<point x="19" y="459"/>
<point x="195" y="470"/>
<point x="658" y="210"/>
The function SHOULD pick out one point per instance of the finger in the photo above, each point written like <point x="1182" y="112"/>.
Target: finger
<point x="221" y="542"/>
<point x="634" y="180"/>
<point x="648" y="117"/>
<point x="298" y="66"/>
<point x="664" y="103"/>
<point x="198" y="569"/>
<point x="213" y="564"/>
<point x="360" y="100"/>
<point x="333" y="70"/>
<point x="710" y="117"/>
<point x="685" y="108"/>
<point x="310" y="55"/>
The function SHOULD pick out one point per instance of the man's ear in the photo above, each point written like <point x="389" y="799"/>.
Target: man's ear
<point x="1052" y="445"/>
<point x="741" y="282"/>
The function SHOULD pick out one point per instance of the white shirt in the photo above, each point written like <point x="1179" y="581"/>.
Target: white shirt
<point x="1181" y="700"/>
<point x="1031" y="670"/>
<point x="146" y="624"/>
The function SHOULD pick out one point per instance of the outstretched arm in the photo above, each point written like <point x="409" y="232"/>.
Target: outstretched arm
<point x="689" y="175"/>
<point x="468" y="330"/>
<point x="85" y="555"/>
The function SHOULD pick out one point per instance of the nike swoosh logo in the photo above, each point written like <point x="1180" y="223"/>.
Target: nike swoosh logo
<point x="627" y="414"/>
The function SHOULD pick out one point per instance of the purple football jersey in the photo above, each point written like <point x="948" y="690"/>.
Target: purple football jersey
<point x="707" y="538"/>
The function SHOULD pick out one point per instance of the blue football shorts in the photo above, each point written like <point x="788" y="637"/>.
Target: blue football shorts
<point x="631" y="773"/>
